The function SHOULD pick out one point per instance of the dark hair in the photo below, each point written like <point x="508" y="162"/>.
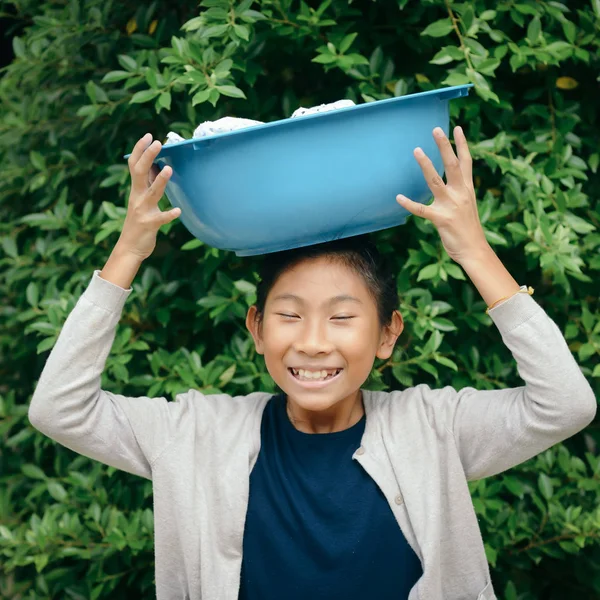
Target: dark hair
<point x="358" y="253"/>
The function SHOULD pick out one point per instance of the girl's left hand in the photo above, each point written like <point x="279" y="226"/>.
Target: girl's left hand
<point x="454" y="208"/>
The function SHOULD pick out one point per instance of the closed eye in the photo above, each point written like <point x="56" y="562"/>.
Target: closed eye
<point x="296" y="317"/>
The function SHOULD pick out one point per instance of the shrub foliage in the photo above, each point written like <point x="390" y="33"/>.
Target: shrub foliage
<point x="89" y="77"/>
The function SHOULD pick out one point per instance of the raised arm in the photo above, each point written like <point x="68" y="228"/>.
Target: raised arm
<point x="68" y="404"/>
<point x="496" y="430"/>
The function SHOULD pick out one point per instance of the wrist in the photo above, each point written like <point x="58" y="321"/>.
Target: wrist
<point x="481" y="255"/>
<point x="123" y="251"/>
<point x="121" y="267"/>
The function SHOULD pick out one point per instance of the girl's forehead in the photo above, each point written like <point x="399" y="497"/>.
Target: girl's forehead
<point x="319" y="269"/>
<point x="321" y="276"/>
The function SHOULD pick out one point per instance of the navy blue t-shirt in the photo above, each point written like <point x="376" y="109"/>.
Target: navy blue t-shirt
<point x="318" y="527"/>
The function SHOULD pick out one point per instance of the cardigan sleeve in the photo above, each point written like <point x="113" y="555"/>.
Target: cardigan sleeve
<point x="69" y="406"/>
<point x="498" y="429"/>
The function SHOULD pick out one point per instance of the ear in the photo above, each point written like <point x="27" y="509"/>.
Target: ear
<point x="389" y="335"/>
<point x="254" y="328"/>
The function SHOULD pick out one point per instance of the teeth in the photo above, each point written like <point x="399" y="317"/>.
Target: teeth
<point x="315" y="375"/>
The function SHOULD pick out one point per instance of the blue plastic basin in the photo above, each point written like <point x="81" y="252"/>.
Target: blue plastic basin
<point x="310" y="179"/>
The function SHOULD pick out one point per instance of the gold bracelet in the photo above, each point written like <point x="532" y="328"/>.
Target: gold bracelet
<point x="524" y="290"/>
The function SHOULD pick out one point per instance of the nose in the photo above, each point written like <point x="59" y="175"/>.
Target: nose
<point x="312" y="338"/>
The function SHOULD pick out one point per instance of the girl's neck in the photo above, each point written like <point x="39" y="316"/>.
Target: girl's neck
<point x="342" y="415"/>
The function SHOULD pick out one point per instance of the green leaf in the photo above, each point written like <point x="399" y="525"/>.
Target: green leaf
<point x="201" y="96"/>
<point x="400" y="88"/>
<point x="569" y="29"/>
<point x="586" y="351"/>
<point x="37" y="160"/>
<point x="560" y="50"/>
<point x="224" y="67"/>
<point x="127" y="62"/>
<point x="18" y="47"/>
<point x="443" y="324"/>
<point x="32" y="293"/>
<point x="324" y="58"/>
<point x="40" y="561"/>
<point x="454" y="271"/>
<point x="231" y="90"/>
<point x="447" y="54"/>
<point x="245" y="287"/>
<point x="242" y="31"/>
<point x="478" y="79"/>
<point x="434" y="342"/>
<point x="356" y="59"/>
<point x="429" y="272"/>
<point x="9" y="245"/>
<point x="347" y="42"/>
<point x="113" y="76"/>
<point x="97" y="591"/>
<point x="211" y="301"/>
<point x="165" y="100"/>
<point x="488" y="66"/>
<point x="32" y="471"/>
<point x="375" y="60"/>
<point x="495" y="238"/>
<point x="467" y="17"/>
<point x="443" y="360"/>
<point x="456" y="79"/>
<point x="545" y="486"/>
<point x="534" y="30"/>
<point x="526" y="9"/>
<point x="569" y="547"/>
<point x="144" y="96"/>
<point x="439" y="28"/>
<point x="488" y="15"/>
<point x="45" y="344"/>
<point x="587" y="319"/>
<point x="429" y="368"/>
<point x="192" y="244"/>
<point x="491" y="554"/>
<point x="151" y="78"/>
<point x="510" y="591"/>
<point x="57" y="491"/>
<point x="578" y="224"/>
<point x="227" y="375"/>
<point x="514" y="485"/>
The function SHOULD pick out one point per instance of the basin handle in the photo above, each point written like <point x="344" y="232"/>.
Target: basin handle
<point x="456" y="93"/>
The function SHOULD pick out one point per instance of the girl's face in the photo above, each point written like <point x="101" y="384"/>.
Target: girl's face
<point x="319" y="316"/>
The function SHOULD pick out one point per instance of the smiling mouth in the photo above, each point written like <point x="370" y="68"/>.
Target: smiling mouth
<point x="316" y="376"/>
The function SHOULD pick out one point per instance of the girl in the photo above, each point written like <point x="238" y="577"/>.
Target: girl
<point x="326" y="490"/>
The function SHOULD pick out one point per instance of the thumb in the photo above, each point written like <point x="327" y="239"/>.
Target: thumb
<point x="415" y="208"/>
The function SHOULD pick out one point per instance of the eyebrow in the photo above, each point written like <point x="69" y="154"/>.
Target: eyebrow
<point x="334" y="300"/>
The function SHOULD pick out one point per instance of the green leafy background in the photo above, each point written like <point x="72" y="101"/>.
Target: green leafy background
<point x="89" y="77"/>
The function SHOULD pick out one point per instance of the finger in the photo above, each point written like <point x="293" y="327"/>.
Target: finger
<point x="169" y="215"/>
<point x="414" y="208"/>
<point x="434" y="181"/>
<point x="464" y="155"/>
<point x="454" y="175"/>
<point x="157" y="189"/>
<point x="138" y="150"/>
<point x="140" y="172"/>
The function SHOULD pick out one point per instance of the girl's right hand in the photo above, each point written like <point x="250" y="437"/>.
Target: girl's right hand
<point x="144" y="218"/>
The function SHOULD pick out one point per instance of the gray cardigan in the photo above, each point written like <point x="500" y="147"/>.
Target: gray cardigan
<point x="420" y="445"/>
